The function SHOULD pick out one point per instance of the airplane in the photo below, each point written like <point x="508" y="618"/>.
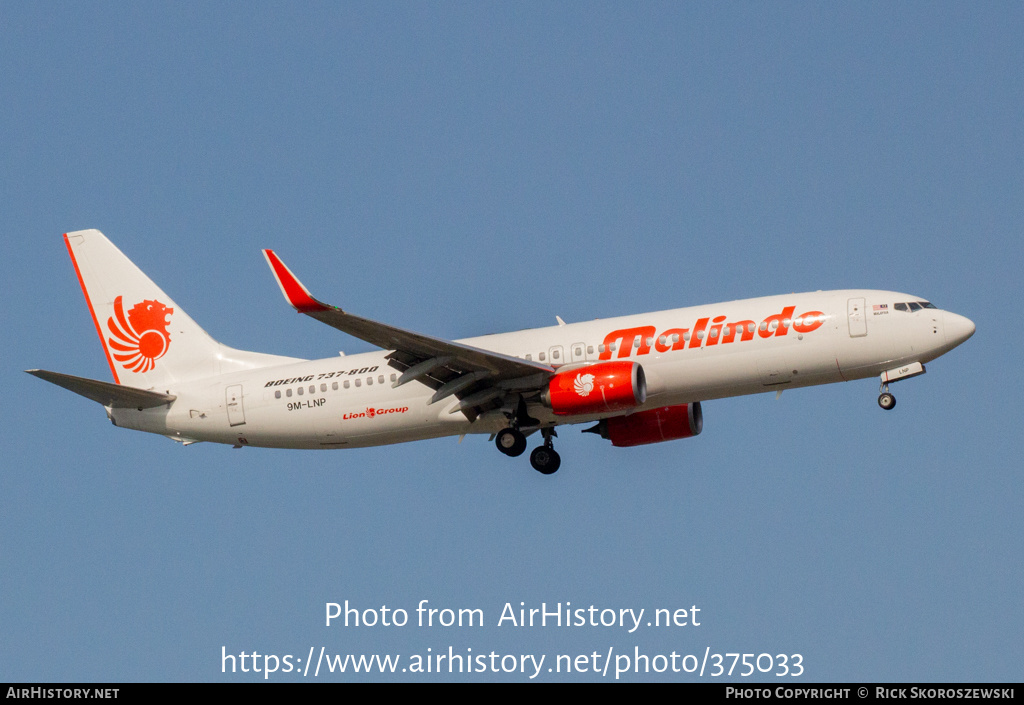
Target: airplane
<point x="639" y="379"/>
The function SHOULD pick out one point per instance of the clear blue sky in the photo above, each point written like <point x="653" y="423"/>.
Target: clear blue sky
<point x="466" y="168"/>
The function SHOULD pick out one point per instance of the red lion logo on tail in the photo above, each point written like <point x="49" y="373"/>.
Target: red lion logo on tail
<point x="140" y="339"/>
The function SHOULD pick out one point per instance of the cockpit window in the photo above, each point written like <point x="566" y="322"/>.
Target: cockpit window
<point x="913" y="305"/>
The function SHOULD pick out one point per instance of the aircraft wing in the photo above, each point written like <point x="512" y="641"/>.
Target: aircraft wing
<point x="476" y="376"/>
<point x="117" y="396"/>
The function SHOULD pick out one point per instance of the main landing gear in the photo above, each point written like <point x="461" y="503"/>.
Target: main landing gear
<point x="886" y="400"/>
<point x="510" y="441"/>
<point x="544" y="459"/>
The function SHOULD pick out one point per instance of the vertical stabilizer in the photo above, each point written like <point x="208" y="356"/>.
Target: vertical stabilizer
<point x="148" y="340"/>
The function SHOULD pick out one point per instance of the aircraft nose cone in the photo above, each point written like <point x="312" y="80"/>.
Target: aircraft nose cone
<point x="958" y="328"/>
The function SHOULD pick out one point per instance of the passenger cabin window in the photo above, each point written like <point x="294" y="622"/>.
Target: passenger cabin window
<point x="277" y="394"/>
<point x="540" y="357"/>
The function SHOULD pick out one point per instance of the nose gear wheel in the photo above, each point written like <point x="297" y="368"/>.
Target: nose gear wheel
<point x="886" y="400"/>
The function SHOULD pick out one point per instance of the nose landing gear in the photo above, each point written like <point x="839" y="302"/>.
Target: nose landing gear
<point x="886" y="400"/>
<point x="911" y="369"/>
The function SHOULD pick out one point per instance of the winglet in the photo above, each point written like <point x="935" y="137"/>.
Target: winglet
<point x="294" y="292"/>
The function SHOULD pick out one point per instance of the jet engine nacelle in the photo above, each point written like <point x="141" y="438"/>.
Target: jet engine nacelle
<point x="666" y="423"/>
<point x="607" y="386"/>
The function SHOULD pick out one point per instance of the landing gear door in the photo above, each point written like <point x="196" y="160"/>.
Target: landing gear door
<point x="233" y="400"/>
<point x="856" y="317"/>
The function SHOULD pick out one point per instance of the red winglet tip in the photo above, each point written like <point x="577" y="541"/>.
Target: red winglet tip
<point x="294" y="292"/>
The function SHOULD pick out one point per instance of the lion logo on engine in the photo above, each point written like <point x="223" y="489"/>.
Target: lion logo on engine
<point x="584" y="384"/>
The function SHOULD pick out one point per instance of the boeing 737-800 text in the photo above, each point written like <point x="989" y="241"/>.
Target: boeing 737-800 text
<point x="639" y="379"/>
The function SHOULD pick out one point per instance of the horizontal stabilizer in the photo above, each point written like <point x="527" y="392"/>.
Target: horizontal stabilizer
<point x="117" y="396"/>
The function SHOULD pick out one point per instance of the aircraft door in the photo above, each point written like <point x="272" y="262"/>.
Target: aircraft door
<point x="857" y="318"/>
<point x="233" y="399"/>
<point x="579" y="352"/>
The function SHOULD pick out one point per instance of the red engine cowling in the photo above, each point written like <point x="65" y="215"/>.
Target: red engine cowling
<point x="597" y="389"/>
<point x="667" y="423"/>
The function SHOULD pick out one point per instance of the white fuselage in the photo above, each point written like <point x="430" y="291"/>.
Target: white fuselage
<point x="688" y="354"/>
